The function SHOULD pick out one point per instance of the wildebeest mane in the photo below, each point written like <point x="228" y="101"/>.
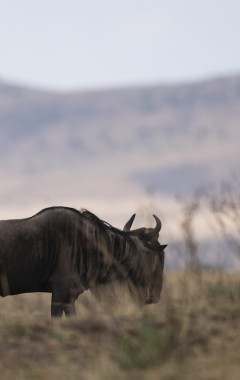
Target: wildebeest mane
<point x="113" y="249"/>
<point x="101" y="224"/>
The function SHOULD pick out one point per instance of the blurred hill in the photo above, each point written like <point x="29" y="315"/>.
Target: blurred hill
<point x="114" y="144"/>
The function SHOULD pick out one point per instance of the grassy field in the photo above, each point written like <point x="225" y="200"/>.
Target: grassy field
<point x="193" y="333"/>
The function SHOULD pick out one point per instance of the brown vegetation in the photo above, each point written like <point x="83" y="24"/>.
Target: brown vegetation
<point x="192" y="333"/>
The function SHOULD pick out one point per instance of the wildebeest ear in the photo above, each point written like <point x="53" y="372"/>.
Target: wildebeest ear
<point x="128" y="225"/>
<point x="164" y="246"/>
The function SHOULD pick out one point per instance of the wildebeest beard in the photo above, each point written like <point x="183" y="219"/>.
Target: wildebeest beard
<point x="113" y="279"/>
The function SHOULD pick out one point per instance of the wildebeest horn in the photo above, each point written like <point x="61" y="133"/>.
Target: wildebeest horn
<point x="158" y="224"/>
<point x="128" y="225"/>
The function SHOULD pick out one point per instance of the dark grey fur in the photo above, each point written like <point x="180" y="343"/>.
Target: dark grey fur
<point x="63" y="251"/>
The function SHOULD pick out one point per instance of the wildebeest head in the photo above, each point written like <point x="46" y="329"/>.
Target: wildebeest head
<point x="148" y="264"/>
<point x="130" y="257"/>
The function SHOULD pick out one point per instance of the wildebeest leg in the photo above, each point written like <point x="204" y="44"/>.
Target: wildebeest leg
<point x="64" y="294"/>
<point x="69" y="309"/>
<point x="62" y="302"/>
<point x="56" y="305"/>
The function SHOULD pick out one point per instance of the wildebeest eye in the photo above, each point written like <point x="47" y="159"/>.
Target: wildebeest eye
<point x="153" y="245"/>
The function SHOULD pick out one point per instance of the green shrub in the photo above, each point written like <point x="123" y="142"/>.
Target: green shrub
<point x="147" y="346"/>
<point x="218" y="291"/>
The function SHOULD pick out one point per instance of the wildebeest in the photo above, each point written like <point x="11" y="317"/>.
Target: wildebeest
<point x="64" y="251"/>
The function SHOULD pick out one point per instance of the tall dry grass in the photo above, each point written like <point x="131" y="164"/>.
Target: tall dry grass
<point x="192" y="333"/>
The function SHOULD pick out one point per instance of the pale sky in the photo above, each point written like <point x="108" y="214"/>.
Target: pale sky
<point x="78" y="44"/>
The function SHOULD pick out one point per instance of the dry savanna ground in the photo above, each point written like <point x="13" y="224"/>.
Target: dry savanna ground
<point x="193" y="333"/>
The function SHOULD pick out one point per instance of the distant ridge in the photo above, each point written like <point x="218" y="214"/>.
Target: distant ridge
<point x="171" y="138"/>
